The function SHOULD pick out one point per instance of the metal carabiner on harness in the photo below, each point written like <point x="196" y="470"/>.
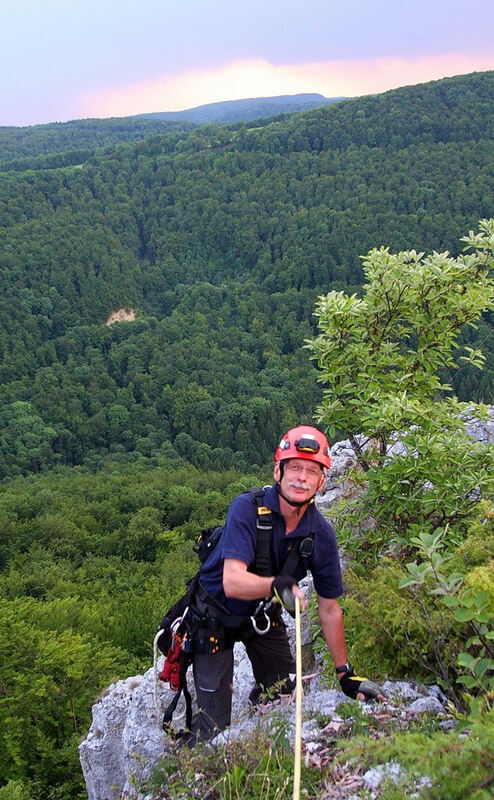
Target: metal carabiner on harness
<point x="263" y="606"/>
<point x="178" y="621"/>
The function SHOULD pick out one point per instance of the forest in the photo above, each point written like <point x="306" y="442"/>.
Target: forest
<point x="61" y="144"/>
<point x="119" y="442"/>
<point x="230" y="234"/>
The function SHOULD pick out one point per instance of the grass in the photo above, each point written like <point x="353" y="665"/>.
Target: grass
<point x="432" y="764"/>
<point x="259" y="767"/>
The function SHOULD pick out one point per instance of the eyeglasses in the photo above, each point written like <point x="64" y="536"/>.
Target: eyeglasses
<point x="298" y="469"/>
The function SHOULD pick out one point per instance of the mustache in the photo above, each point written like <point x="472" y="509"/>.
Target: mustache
<point x="298" y="485"/>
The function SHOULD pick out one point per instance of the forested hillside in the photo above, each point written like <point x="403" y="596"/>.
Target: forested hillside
<point x="221" y="240"/>
<point x="238" y="110"/>
<point x="118" y="443"/>
<point x="61" y="144"/>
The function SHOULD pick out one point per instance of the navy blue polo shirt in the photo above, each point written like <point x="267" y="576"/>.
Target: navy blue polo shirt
<point x="239" y="541"/>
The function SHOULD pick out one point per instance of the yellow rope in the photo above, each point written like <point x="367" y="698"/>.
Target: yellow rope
<point x="298" y="702"/>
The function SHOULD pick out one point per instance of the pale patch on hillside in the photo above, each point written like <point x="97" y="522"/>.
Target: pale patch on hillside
<point x="122" y="315"/>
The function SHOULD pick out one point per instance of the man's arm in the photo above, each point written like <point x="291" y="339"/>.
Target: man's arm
<point x="333" y="629"/>
<point x="331" y="618"/>
<point x="243" y="585"/>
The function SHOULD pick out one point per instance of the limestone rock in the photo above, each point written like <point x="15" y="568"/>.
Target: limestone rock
<point x="480" y="430"/>
<point x="126" y="741"/>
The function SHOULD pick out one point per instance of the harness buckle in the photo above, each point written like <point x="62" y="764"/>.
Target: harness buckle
<point x="306" y="547"/>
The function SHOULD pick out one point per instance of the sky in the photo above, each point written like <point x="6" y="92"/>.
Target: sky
<point x="73" y="59"/>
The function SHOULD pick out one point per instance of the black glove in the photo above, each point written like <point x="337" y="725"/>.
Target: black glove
<point x="282" y="589"/>
<point x="352" y="685"/>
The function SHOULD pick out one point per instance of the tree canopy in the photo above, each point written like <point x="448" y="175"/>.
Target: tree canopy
<point x="226" y="234"/>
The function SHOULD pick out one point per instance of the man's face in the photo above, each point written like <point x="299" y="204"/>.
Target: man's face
<point x="302" y="478"/>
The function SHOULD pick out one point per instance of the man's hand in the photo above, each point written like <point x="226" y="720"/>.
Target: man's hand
<point x="285" y="589"/>
<point x="360" y="688"/>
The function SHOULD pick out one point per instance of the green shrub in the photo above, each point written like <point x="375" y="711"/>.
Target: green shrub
<point x="458" y="764"/>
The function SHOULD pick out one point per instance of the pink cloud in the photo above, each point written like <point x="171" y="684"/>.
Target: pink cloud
<point x="259" y="78"/>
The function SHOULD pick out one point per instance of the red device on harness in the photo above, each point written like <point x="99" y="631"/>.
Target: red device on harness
<point x="171" y="672"/>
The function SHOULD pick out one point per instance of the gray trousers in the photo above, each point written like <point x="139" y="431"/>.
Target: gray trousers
<point x="272" y="662"/>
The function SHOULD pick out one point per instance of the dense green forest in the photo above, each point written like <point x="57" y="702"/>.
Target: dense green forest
<point x="227" y="234"/>
<point x="89" y="565"/>
<point x="119" y="442"/>
<point x="61" y="144"/>
<point x="90" y="561"/>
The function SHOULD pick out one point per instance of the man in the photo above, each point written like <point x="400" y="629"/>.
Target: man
<point x="231" y="593"/>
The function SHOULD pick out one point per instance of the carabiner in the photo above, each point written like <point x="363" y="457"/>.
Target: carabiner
<point x="261" y="631"/>
<point x="178" y="621"/>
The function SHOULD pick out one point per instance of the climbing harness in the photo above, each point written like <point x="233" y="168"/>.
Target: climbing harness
<point x="198" y="623"/>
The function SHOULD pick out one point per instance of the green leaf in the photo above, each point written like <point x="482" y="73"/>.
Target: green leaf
<point x="483" y="665"/>
<point x="464" y="615"/>
<point x="405" y="582"/>
<point x="466" y="660"/>
<point x="450" y="601"/>
<point x="454" y="581"/>
<point x="481" y="599"/>
<point x="468" y="680"/>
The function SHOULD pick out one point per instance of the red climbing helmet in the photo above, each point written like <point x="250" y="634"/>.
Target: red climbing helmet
<point x="304" y="442"/>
